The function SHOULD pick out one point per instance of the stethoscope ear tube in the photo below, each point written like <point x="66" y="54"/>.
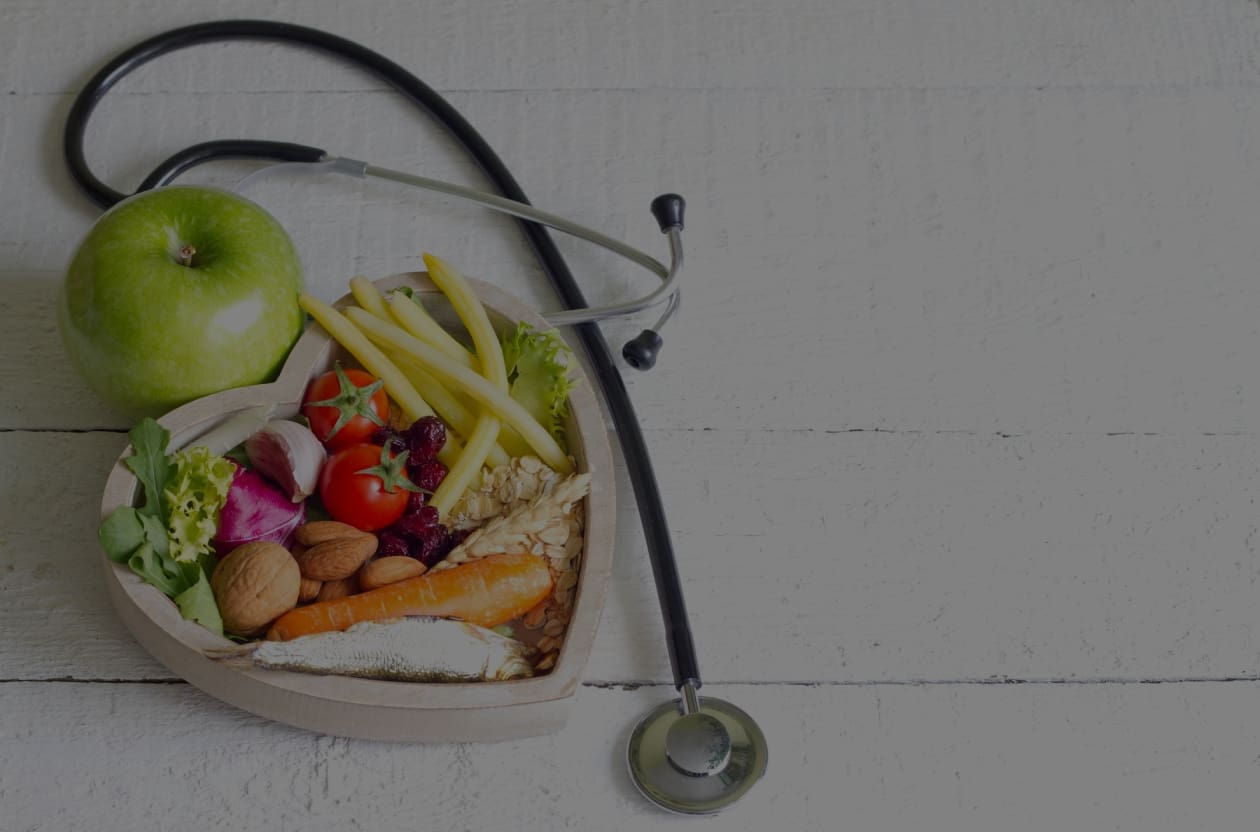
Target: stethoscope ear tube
<point x="213" y="151"/>
<point x="640" y="352"/>
<point x="147" y="50"/>
<point x="668" y="209"/>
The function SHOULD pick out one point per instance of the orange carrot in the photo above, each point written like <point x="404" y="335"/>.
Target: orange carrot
<point x="487" y="592"/>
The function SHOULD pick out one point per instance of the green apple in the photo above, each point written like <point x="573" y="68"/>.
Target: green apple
<point x="177" y="293"/>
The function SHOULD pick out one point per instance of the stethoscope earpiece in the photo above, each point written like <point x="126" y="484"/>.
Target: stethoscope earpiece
<point x="668" y="210"/>
<point x="640" y="352"/>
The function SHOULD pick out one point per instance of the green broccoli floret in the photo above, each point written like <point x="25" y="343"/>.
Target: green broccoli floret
<point x="538" y="376"/>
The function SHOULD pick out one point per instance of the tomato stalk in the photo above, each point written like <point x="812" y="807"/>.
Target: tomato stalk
<point x="392" y="472"/>
<point x="350" y="401"/>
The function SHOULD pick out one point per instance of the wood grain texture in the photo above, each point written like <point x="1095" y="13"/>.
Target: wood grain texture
<point x="961" y="390"/>
<point x="703" y="44"/>
<point x="1030" y="757"/>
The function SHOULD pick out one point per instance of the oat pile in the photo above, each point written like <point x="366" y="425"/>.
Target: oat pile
<point x="527" y="507"/>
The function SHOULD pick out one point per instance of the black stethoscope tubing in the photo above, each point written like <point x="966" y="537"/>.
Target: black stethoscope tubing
<point x="638" y="464"/>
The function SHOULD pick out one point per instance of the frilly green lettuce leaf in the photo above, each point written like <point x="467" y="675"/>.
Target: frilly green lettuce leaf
<point x="194" y="498"/>
<point x="538" y="375"/>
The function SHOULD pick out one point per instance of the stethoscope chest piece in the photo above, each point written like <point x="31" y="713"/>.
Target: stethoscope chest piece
<point x="696" y="756"/>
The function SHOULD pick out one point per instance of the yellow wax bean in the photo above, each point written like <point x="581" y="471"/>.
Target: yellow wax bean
<point x="374" y="361"/>
<point x="413" y="318"/>
<point x="458" y="377"/>
<point x="448" y="407"/>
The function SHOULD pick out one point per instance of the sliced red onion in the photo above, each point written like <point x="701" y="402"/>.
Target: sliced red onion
<point x="256" y="509"/>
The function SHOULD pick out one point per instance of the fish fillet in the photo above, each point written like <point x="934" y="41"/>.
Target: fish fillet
<point x="415" y="649"/>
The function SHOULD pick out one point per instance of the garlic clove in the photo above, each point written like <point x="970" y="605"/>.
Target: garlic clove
<point x="289" y="455"/>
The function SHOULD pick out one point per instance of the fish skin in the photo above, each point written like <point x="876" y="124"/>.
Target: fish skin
<point x="415" y="649"/>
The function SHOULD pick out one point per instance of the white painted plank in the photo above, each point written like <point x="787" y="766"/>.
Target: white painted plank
<point x="705" y="44"/>
<point x="1010" y="261"/>
<point x="811" y="556"/>
<point x="47" y="392"/>
<point x="999" y="757"/>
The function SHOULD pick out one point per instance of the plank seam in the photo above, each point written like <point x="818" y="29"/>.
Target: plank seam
<point x="800" y="683"/>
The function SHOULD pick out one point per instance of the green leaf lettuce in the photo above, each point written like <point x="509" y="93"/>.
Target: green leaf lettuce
<point x="538" y="375"/>
<point x="166" y="540"/>
<point x="193" y="500"/>
<point x="150" y="464"/>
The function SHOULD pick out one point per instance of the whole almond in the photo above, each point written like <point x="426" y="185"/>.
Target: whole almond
<point x="308" y="590"/>
<point x="389" y="570"/>
<point x="322" y="531"/>
<point x="338" y="558"/>
<point x="332" y="590"/>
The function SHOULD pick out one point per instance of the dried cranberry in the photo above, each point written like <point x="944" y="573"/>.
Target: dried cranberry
<point x="425" y="438"/>
<point x="415" y="501"/>
<point x="389" y="543"/>
<point x="427" y="475"/>
<point x="387" y="434"/>
<point x="458" y="536"/>
<point x="432" y="545"/>
<point x="412" y="526"/>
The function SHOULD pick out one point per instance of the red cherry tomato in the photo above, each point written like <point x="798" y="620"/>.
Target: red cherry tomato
<point x="345" y="407"/>
<point x="364" y="486"/>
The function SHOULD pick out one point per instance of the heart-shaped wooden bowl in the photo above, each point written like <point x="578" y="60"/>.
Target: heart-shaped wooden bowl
<point x="366" y="708"/>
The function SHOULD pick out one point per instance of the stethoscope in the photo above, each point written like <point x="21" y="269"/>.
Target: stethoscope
<point x="694" y="755"/>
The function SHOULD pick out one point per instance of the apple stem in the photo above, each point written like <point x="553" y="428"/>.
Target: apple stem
<point x="186" y="253"/>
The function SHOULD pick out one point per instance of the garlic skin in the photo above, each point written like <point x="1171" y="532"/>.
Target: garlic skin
<point x="289" y="455"/>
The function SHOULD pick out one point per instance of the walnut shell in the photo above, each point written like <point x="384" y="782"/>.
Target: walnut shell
<point x="254" y="585"/>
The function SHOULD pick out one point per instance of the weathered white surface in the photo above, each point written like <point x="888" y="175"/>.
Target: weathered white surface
<point x="1037" y="758"/>
<point x="704" y="44"/>
<point x="962" y="388"/>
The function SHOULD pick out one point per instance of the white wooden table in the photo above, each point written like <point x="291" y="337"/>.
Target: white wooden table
<point x="956" y="425"/>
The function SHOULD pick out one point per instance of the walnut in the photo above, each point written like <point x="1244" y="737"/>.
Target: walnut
<point x="254" y="585"/>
